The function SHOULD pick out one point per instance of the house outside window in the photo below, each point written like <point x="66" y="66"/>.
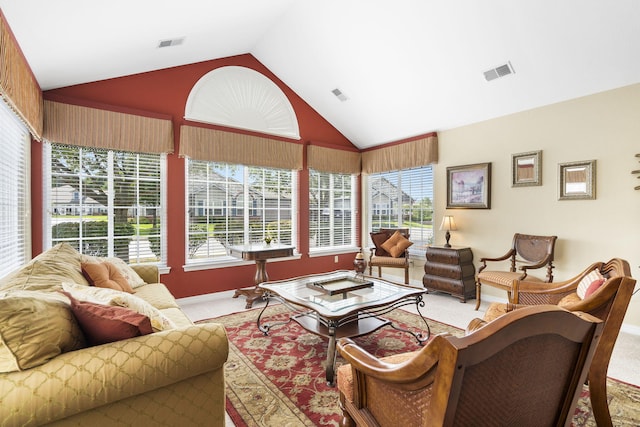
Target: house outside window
<point x="268" y="193"/>
<point x="403" y="199"/>
<point x="106" y="203"/>
<point x="332" y="221"/>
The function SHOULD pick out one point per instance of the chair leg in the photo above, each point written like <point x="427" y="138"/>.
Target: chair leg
<point x="477" y="295"/>
<point x="346" y="420"/>
<point x="598" y="397"/>
<point x="406" y="276"/>
<point x="379" y="271"/>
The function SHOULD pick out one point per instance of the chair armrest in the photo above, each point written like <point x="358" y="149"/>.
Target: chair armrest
<point x="541" y="264"/>
<point x="501" y="258"/>
<point x="504" y="257"/>
<point x="418" y="366"/>
<point x="533" y="293"/>
<point x="95" y="376"/>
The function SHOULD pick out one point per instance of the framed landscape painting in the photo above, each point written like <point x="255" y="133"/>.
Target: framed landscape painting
<point x="469" y="186"/>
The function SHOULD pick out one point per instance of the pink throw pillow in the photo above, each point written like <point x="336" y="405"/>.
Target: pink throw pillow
<point x="594" y="286"/>
<point x="102" y="324"/>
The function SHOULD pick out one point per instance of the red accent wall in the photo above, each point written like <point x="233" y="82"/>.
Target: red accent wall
<point x="165" y="92"/>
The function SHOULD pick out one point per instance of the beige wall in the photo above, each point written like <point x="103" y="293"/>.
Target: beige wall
<point x="605" y="127"/>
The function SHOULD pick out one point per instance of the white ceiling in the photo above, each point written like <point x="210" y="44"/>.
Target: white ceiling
<point x="408" y="67"/>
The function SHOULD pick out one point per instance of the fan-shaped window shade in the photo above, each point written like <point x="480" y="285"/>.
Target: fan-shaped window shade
<point x="242" y="98"/>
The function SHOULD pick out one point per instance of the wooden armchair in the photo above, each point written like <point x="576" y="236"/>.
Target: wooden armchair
<point x="380" y="257"/>
<point x="527" y="253"/>
<point x="525" y="369"/>
<point x="608" y="302"/>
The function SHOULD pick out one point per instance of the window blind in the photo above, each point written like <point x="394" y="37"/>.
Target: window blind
<point x="107" y="203"/>
<point x="15" y="218"/>
<point x="403" y="199"/>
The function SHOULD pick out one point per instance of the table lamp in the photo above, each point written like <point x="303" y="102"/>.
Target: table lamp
<point x="448" y="224"/>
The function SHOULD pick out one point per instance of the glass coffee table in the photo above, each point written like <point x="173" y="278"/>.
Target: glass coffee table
<point x="341" y="304"/>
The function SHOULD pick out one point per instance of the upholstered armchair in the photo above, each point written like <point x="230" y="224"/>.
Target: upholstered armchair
<point x="525" y="369"/>
<point x="602" y="290"/>
<point x="390" y="250"/>
<point x="527" y="252"/>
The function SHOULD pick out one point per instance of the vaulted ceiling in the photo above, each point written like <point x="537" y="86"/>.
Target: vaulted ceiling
<point x="406" y="67"/>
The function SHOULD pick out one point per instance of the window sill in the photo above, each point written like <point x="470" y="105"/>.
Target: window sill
<point x="229" y="262"/>
<point x="333" y="251"/>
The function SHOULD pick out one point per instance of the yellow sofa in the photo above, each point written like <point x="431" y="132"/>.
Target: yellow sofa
<point x="170" y="377"/>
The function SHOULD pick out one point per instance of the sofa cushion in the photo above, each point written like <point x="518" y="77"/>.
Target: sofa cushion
<point x="106" y="296"/>
<point x="47" y="270"/>
<point x="103" y="324"/>
<point x="105" y="275"/>
<point x="396" y="244"/>
<point x="569" y="300"/>
<point x="34" y="328"/>
<point x="127" y="272"/>
<point x="157" y="295"/>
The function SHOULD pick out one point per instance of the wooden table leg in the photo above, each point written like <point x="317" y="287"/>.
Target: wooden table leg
<point x="255" y="293"/>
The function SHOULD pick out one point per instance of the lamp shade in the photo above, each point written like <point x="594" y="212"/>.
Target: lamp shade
<point x="448" y="223"/>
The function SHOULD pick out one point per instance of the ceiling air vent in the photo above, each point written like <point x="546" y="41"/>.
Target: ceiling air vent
<point x="501" y="71"/>
<point x="171" y="42"/>
<point x="338" y="93"/>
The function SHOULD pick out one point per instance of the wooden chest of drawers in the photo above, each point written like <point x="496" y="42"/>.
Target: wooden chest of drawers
<point x="450" y="270"/>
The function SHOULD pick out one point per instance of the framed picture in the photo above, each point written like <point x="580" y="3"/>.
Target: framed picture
<point x="469" y="186"/>
<point x="526" y="169"/>
<point x="577" y="180"/>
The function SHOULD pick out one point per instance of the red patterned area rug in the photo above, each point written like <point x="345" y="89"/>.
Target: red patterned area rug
<point x="279" y="380"/>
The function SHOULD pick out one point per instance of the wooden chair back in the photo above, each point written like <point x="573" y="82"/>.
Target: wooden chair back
<point x="609" y="303"/>
<point x="526" y="369"/>
<point x="382" y="235"/>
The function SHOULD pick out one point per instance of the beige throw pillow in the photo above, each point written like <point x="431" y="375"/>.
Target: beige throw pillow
<point x="396" y="244"/>
<point x="35" y="328"/>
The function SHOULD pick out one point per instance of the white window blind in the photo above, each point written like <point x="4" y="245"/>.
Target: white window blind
<point x="15" y="199"/>
<point x="332" y="222"/>
<point x="231" y="204"/>
<point x="107" y="203"/>
<point x="403" y="199"/>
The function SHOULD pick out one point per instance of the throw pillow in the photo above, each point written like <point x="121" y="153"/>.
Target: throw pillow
<point x="396" y="244"/>
<point x="129" y="273"/>
<point x="105" y="275"/>
<point x="34" y="329"/>
<point x="594" y="286"/>
<point x="159" y="321"/>
<point x="103" y="324"/>
<point x="587" y="281"/>
<point x="378" y="239"/>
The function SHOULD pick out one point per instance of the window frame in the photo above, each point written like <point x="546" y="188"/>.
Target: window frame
<point x="397" y="211"/>
<point x="335" y="249"/>
<point x="110" y="178"/>
<point x="247" y="206"/>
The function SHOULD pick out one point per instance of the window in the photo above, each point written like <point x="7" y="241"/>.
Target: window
<point x="107" y="203"/>
<point x="331" y="211"/>
<point x="15" y="218"/>
<point x="403" y="199"/>
<point x="231" y="204"/>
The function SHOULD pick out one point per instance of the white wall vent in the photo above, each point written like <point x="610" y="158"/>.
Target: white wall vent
<point x="171" y="42"/>
<point x="501" y="71"/>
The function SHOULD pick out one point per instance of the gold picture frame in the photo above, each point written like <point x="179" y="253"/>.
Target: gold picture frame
<point x="526" y="169"/>
<point x="469" y="186"/>
<point x="577" y="180"/>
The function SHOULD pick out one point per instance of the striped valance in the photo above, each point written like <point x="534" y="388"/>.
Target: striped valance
<point x="18" y="86"/>
<point x="411" y="154"/>
<point x="229" y="147"/>
<point x="333" y="160"/>
<point x="97" y="128"/>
